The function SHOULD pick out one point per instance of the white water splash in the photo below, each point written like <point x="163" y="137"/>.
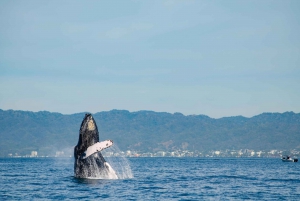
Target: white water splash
<point x="116" y="167"/>
<point x="120" y="164"/>
<point x="97" y="172"/>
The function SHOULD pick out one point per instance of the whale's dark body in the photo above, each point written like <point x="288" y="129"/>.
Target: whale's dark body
<point x="95" y="165"/>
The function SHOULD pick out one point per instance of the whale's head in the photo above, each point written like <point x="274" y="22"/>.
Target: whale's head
<point x="88" y="134"/>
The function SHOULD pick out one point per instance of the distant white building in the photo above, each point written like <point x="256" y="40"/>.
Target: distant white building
<point x="34" y="154"/>
<point x="259" y="153"/>
<point x="59" y="154"/>
<point x="161" y="153"/>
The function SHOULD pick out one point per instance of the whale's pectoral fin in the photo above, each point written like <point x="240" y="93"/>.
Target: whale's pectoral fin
<point x="99" y="146"/>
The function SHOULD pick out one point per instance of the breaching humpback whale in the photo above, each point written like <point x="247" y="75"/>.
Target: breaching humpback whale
<point x="89" y="162"/>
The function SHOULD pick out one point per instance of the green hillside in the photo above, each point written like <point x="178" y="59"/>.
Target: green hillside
<point x="24" y="131"/>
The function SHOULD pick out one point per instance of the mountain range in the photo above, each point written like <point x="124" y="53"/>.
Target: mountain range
<point x="147" y="131"/>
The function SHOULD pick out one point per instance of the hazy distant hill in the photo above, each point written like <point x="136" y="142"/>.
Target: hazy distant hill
<point x="23" y="131"/>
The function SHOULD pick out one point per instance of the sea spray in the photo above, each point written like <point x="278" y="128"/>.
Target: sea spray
<point x="98" y="172"/>
<point x="119" y="163"/>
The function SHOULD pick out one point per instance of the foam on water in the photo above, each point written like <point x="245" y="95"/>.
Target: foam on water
<point x="104" y="174"/>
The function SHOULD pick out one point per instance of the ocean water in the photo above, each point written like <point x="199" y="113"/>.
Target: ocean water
<point x="153" y="179"/>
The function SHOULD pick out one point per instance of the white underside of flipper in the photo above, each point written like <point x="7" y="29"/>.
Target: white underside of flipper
<point x="99" y="146"/>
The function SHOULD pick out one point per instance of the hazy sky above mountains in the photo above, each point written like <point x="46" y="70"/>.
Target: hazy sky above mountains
<point x="218" y="58"/>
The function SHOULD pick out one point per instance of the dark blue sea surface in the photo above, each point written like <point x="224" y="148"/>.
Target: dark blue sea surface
<point x="153" y="179"/>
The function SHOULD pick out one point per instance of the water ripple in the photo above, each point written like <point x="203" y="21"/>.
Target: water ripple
<point x="154" y="179"/>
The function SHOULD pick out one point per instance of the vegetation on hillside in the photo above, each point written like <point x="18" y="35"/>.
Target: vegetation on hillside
<point x="46" y="132"/>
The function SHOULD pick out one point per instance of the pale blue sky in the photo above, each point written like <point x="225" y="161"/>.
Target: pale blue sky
<point x="218" y="58"/>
